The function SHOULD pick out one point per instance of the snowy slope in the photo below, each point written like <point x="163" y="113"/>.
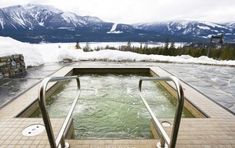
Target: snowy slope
<point x="37" y="54"/>
<point x="113" y="29"/>
<point x="33" y="15"/>
<point x="188" y="28"/>
<point x="50" y="24"/>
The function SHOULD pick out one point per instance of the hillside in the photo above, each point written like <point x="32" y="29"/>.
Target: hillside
<point x="42" y="23"/>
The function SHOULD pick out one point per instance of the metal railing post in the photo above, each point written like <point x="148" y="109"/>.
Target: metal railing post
<point x="164" y="138"/>
<point x="45" y="116"/>
<point x="54" y="143"/>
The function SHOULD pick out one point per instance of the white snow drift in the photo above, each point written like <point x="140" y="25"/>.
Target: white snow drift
<point x="37" y="54"/>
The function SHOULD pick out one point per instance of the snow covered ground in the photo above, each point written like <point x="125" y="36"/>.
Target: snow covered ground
<point x="94" y="45"/>
<point x="37" y="54"/>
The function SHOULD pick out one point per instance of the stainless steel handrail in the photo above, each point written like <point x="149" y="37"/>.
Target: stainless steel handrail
<point x="46" y="119"/>
<point x="171" y="142"/>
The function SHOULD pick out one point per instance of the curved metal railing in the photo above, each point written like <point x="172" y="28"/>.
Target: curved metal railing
<point x="59" y="141"/>
<point x="171" y="142"/>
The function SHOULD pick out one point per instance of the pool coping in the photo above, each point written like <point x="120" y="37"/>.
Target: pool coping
<point x="203" y="94"/>
<point x="216" y="130"/>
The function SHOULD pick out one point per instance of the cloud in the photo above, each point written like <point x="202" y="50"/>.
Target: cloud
<point x="133" y="11"/>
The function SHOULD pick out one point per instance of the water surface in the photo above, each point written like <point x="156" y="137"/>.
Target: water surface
<point x="110" y="107"/>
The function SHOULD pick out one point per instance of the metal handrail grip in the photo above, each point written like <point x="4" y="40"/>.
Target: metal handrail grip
<point x="46" y="119"/>
<point x="171" y="142"/>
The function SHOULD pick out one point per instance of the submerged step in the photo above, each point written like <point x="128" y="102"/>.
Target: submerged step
<point x="148" y="143"/>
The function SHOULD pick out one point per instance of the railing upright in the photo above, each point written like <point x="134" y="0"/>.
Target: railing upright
<point x="59" y="141"/>
<point x="164" y="138"/>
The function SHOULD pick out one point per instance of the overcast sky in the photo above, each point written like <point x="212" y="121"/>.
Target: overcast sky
<point x="135" y="11"/>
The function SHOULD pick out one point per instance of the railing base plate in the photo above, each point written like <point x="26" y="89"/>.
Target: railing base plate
<point x="160" y="146"/>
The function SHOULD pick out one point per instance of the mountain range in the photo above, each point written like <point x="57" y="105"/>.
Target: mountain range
<point x="41" y="23"/>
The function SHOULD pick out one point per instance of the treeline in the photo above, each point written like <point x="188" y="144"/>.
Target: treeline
<point x="224" y="52"/>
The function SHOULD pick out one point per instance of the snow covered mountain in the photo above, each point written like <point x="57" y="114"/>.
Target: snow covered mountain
<point x="37" y="23"/>
<point x="190" y="29"/>
<point x="32" y="16"/>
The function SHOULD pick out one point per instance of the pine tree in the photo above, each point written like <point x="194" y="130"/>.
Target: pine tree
<point x="87" y="47"/>
<point x="172" y="45"/>
<point x="141" y="46"/>
<point x="129" y="44"/>
<point x="166" y="46"/>
<point x="77" y="45"/>
<point x="146" y="45"/>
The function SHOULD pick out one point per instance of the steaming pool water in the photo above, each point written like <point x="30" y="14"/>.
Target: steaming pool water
<point x="110" y="107"/>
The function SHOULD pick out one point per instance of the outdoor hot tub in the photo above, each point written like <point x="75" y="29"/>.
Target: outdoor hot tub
<point x="110" y="106"/>
<point x="120" y="105"/>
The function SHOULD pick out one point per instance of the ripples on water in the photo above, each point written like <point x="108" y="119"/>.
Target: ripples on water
<point x="110" y="107"/>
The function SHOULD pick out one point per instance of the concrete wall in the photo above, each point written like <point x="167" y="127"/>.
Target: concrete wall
<point x="12" y="66"/>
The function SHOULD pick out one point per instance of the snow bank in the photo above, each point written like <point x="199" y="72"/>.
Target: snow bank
<point x="37" y="54"/>
<point x="9" y="46"/>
